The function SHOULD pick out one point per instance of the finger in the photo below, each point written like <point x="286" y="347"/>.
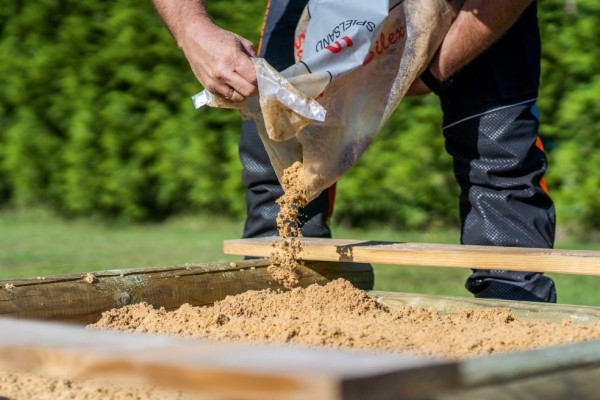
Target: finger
<point x="228" y="93"/>
<point x="220" y="88"/>
<point x="232" y="81"/>
<point x="235" y="96"/>
<point x="245" y="68"/>
<point x="241" y="85"/>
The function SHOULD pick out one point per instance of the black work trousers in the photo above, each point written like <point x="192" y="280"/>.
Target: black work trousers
<point x="491" y="131"/>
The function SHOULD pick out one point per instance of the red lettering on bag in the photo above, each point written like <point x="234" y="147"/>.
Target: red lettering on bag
<point x="299" y="45"/>
<point x="384" y="42"/>
<point x="337" y="47"/>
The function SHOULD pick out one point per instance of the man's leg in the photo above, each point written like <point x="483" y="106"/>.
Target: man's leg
<point x="500" y="165"/>
<point x="259" y="178"/>
<point x="491" y="129"/>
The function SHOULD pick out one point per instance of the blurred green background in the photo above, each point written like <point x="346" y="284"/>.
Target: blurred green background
<point x="104" y="163"/>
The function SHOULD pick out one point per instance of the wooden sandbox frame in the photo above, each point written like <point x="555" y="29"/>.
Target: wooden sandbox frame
<point x="28" y="338"/>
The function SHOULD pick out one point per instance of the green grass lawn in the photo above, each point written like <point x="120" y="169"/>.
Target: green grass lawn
<point x="36" y="243"/>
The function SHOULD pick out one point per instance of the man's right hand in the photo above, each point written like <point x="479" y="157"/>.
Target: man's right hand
<point x="221" y="60"/>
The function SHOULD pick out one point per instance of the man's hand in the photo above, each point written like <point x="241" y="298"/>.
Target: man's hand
<point x="220" y="60"/>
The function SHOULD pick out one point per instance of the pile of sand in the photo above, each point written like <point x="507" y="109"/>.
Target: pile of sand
<point x="338" y="315"/>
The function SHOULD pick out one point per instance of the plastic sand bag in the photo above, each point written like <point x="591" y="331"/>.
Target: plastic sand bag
<point x="355" y="62"/>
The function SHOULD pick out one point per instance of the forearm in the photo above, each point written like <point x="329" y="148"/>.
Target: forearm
<point x="220" y="60"/>
<point x="182" y="17"/>
<point x="478" y="25"/>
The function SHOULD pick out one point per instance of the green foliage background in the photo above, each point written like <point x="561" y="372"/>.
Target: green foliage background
<point x="96" y="119"/>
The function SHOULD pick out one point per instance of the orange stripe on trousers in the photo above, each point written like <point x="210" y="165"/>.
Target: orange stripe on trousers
<point x="262" y="30"/>
<point x="540" y="145"/>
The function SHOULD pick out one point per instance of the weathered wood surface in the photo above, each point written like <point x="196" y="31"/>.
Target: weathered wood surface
<point x="522" y="310"/>
<point x="83" y="297"/>
<point x="575" y="383"/>
<point x="427" y="254"/>
<point x="71" y="298"/>
<point x="241" y="371"/>
<point x="225" y="370"/>
<point x="509" y="367"/>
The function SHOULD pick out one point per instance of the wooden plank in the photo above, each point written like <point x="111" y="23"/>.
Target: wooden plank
<point x="503" y="368"/>
<point x="226" y="370"/>
<point x="83" y="297"/>
<point x="242" y="371"/>
<point x="574" y="383"/>
<point x="427" y="254"/>
<point x="523" y="310"/>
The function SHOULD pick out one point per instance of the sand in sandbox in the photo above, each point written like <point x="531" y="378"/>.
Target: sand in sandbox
<point x="338" y="315"/>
